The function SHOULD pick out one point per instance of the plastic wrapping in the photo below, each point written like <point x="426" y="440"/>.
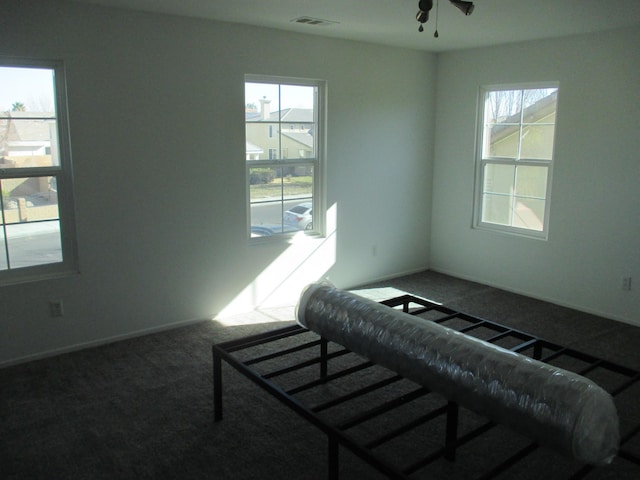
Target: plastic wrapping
<point x="557" y="408"/>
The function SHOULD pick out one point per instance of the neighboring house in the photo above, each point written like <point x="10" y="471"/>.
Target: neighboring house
<point x="26" y="142"/>
<point x="253" y="151"/>
<point x="295" y="124"/>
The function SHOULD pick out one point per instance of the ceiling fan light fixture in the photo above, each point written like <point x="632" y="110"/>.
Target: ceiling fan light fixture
<point x="422" y="16"/>
<point x="464" y="7"/>
<point x="424" y="6"/>
<point x="423" y="13"/>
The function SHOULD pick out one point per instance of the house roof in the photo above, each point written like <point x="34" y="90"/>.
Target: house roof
<point x="290" y="115"/>
<point x="296" y="115"/>
<point x="21" y="126"/>
<point x="253" y="148"/>
<point x="304" y="138"/>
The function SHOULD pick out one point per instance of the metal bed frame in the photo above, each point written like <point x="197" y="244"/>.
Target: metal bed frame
<point x="348" y="398"/>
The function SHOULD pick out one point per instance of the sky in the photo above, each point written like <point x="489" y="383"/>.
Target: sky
<point x="290" y="96"/>
<point x="31" y="86"/>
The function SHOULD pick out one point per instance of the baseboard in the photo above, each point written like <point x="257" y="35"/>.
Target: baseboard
<point x="555" y="301"/>
<point x="388" y="277"/>
<point x="96" y="343"/>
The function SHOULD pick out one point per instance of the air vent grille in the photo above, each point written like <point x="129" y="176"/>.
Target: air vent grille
<point x="314" y="21"/>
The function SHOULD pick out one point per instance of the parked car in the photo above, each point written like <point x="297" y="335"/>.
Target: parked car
<point x="300" y="216"/>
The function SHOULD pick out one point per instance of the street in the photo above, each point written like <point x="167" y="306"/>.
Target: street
<point x="32" y="244"/>
<point x="270" y="214"/>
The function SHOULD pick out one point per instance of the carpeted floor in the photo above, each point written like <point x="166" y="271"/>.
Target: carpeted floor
<point x="142" y="408"/>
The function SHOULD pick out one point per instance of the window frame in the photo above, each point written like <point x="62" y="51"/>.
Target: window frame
<point x="317" y="162"/>
<point x="63" y="173"/>
<point x="481" y="162"/>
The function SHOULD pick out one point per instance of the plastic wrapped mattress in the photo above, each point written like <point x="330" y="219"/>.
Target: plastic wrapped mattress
<point x="557" y="408"/>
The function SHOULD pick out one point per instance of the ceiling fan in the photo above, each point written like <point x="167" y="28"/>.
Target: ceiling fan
<point x="424" y="6"/>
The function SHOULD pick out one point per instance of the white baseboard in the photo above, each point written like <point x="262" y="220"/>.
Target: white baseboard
<point x="97" y="342"/>
<point x="543" y="298"/>
<point x="388" y="277"/>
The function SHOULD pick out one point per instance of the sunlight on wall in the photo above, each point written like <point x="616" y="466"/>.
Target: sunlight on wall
<point x="275" y="291"/>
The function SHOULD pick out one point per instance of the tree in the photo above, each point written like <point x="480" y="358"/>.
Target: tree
<point x="18" y="107"/>
<point x="500" y="105"/>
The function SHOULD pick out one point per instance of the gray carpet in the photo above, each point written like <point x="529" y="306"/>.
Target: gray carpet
<point x="142" y="408"/>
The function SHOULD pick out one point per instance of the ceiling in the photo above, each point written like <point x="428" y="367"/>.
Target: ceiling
<point x="393" y="22"/>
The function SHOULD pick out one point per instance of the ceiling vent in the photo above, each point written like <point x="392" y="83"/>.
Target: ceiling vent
<point x="314" y="21"/>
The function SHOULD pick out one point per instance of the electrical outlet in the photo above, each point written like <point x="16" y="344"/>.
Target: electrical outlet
<point x="626" y="283"/>
<point x="55" y="308"/>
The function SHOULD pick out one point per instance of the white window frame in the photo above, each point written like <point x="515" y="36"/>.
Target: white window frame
<point x="63" y="173"/>
<point x="482" y="162"/>
<point x="318" y="162"/>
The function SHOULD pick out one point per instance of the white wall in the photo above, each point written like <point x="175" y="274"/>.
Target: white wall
<point x="156" y="111"/>
<point x="594" y="232"/>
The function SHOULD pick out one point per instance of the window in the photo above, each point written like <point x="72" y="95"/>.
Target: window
<point x="37" y="233"/>
<point x="283" y="191"/>
<point x="515" y="158"/>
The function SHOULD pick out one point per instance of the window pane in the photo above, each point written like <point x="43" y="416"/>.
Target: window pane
<point x="498" y="178"/>
<point x="274" y="191"/>
<point x="537" y="142"/>
<point x="531" y="181"/>
<point x="265" y="193"/>
<point x="503" y="106"/>
<point x="299" y="144"/>
<point x="28" y="132"/>
<point x="529" y="213"/>
<point x="27" y="205"/>
<point x="261" y="101"/>
<point x="264" y="183"/>
<point x="34" y="243"/>
<point x="28" y="142"/>
<point x="501" y="141"/>
<point x="27" y="91"/>
<point x="266" y="218"/>
<point x="496" y="209"/>
<point x="296" y="96"/>
<point x="298" y="181"/>
<point x="262" y="141"/>
<point x="29" y="199"/>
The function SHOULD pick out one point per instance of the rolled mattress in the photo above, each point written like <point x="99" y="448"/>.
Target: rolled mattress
<point x="557" y="408"/>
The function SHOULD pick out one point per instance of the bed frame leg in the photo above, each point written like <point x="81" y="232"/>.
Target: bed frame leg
<point x="217" y="388"/>
<point x="333" y="464"/>
<point x="323" y="358"/>
<point x="537" y="351"/>
<point x="452" y="431"/>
